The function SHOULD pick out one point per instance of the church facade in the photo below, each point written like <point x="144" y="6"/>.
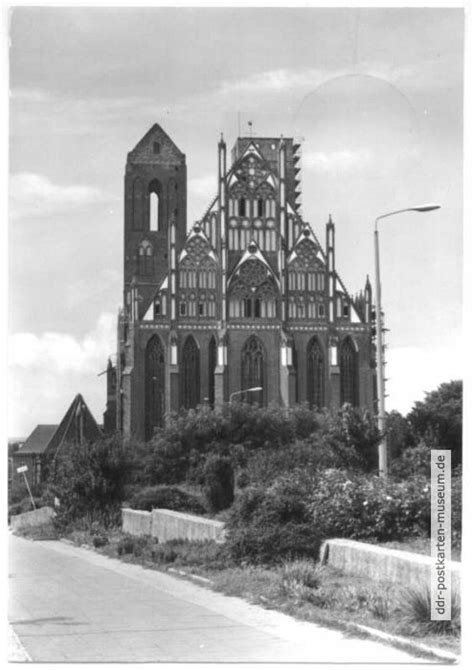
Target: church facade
<point x="247" y="305"/>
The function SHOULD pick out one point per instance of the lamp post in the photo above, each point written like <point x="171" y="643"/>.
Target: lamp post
<point x="383" y="461"/>
<point x="254" y="388"/>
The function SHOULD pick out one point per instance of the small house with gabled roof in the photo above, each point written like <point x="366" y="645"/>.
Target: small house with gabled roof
<point x="47" y="440"/>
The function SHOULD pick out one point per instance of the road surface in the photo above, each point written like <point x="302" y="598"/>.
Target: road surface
<point x="70" y="604"/>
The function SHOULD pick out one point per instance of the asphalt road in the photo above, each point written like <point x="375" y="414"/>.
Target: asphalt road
<point x="70" y="604"/>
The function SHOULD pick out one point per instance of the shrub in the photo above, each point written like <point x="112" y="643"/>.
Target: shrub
<point x="456" y="507"/>
<point x="413" y="461"/>
<point x="166" y="497"/>
<point x="218" y="482"/>
<point x="272" y="525"/>
<point x="351" y="438"/>
<point x="125" y="545"/>
<point x="100" y="541"/>
<point x="368" y="507"/>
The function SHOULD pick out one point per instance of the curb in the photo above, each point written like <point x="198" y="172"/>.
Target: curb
<point x="407" y="644"/>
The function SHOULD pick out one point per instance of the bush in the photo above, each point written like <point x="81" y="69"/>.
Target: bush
<point x="272" y="525"/>
<point x="100" y="541"/>
<point x="218" y="482"/>
<point x="413" y="461"/>
<point x="368" y="507"/>
<point x="456" y="507"/>
<point x="130" y="544"/>
<point x="166" y="497"/>
<point x="178" y="451"/>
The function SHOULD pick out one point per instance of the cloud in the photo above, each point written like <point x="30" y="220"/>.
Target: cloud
<point x="413" y="371"/>
<point x="35" y="196"/>
<point x="336" y="161"/>
<point x="274" y="81"/>
<point x="46" y="371"/>
<point x="62" y="353"/>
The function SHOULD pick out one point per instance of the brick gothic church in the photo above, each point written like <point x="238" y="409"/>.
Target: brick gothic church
<point x="248" y="298"/>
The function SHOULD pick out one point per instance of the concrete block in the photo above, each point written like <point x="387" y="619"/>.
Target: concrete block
<point x="36" y="517"/>
<point x="381" y="564"/>
<point x="136" y="522"/>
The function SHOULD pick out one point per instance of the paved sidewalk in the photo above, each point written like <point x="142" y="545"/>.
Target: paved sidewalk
<point x="71" y="604"/>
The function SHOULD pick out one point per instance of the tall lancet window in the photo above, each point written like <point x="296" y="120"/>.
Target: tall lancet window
<point x="154" y="386"/>
<point x="190" y="389"/>
<point x="154" y="205"/>
<point x="253" y="370"/>
<point x="315" y="367"/>
<point x="349" y="373"/>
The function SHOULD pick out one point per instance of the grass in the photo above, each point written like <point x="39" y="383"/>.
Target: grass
<point x="337" y="600"/>
<point x="45" y="531"/>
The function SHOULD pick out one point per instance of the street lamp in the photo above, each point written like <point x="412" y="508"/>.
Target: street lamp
<point x="378" y="316"/>
<point x="254" y="388"/>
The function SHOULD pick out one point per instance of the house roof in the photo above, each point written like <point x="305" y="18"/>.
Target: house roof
<point x="52" y="437"/>
<point x="39" y="440"/>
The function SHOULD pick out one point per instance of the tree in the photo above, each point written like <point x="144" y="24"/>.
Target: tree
<point x="438" y="419"/>
<point x="399" y="434"/>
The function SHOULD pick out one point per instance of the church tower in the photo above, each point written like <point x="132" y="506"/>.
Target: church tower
<point x="245" y="305"/>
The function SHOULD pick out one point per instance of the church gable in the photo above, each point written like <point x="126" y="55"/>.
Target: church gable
<point x="197" y="276"/>
<point x="155" y="146"/>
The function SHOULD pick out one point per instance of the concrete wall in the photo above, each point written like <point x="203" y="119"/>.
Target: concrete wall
<point x="168" y="525"/>
<point x="136" y="522"/>
<point x="401" y="567"/>
<point x="36" y="517"/>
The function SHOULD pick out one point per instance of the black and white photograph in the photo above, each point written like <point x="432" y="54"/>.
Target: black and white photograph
<point x="235" y="347"/>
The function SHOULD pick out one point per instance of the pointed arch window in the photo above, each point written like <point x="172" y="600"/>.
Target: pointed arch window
<point x="253" y="369"/>
<point x="349" y="373"/>
<point x="145" y="258"/>
<point x="315" y="380"/>
<point x="154" y="386"/>
<point x="190" y="374"/>
<point x="154" y="206"/>
<point x="212" y="358"/>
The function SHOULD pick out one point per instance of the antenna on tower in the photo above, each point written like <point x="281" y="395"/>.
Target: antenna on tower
<point x="250" y="128"/>
<point x="238" y="123"/>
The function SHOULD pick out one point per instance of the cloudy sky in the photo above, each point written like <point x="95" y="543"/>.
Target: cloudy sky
<point x="376" y="94"/>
